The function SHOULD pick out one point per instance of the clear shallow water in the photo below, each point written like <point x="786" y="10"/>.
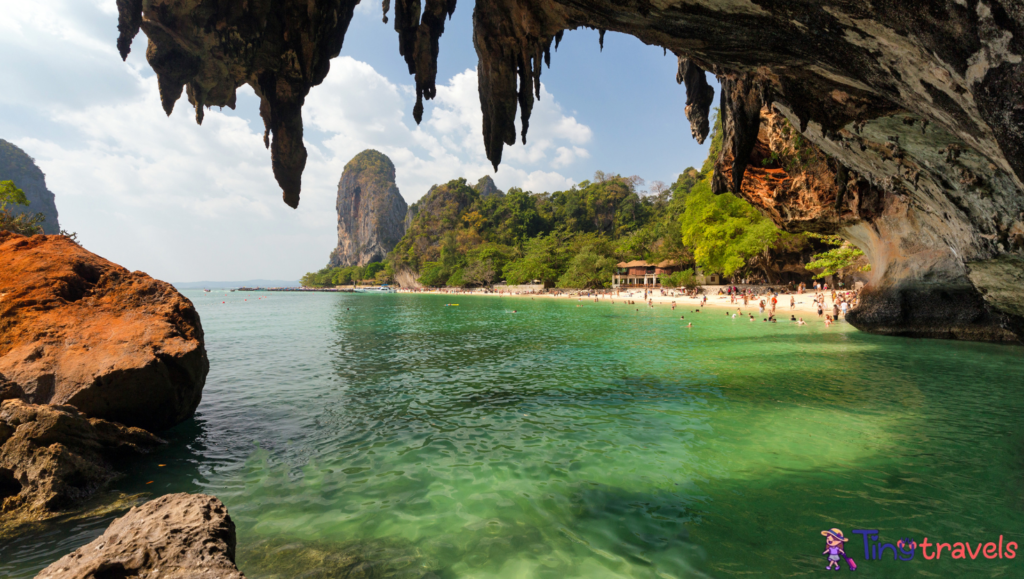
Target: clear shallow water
<point x="360" y="435"/>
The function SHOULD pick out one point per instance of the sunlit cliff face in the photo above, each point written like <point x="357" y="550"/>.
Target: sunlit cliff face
<point x="916" y="104"/>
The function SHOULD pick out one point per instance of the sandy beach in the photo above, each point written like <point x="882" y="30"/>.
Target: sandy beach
<point x="804" y="303"/>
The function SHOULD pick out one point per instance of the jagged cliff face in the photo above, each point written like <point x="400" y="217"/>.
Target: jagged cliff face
<point x="918" y="101"/>
<point x="371" y="211"/>
<point x="17" y="166"/>
<point x="919" y="240"/>
<point x="486" y="188"/>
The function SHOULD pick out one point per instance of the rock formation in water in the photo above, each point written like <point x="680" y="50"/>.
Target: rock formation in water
<point x="17" y="166"/>
<point x="371" y="211"/>
<point x="486" y="188"/>
<point x="52" y="457"/>
<point x="79" y="330"/>
<point x="179" y="536"/>
<point x="920" y="100"/>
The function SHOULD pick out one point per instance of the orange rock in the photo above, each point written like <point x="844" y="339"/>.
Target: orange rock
<point x="77" y="329"/>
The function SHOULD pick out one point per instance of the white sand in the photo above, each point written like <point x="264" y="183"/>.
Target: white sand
<point x="804" y="302"/>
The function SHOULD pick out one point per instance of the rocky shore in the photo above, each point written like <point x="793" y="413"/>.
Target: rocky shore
<point x="179" y="536"/>
<point x="53" y="457"/>
<point x="79" y="330"/>
<point x="93" y="358"/>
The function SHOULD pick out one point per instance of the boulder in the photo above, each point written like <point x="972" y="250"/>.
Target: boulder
<point x="52" y="457"/>
<point x="79" y="330"/>
<point x="176" y="536"/>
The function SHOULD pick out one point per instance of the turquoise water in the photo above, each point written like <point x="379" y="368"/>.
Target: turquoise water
<point x="390" y="436"/>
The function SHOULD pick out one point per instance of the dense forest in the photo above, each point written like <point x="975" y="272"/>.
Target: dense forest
<point x="574" y="238"/>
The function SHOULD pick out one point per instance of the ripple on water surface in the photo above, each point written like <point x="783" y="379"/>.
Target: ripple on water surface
<point x="390" y="436"/>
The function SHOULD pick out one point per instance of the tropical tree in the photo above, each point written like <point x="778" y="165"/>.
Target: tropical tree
<point x="844" y="255"/>
<point x="24" y="223"/>
<point x="724" y="231"/>
<point x="588" y="269"/>
<point x="433" y="274"/>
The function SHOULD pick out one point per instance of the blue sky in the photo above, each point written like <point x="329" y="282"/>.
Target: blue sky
<point x="183" y="202"/>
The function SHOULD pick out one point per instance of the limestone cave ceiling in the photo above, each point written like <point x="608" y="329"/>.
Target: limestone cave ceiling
<point x="955" y="63"/>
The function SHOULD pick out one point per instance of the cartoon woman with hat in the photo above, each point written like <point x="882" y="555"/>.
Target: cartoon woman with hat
<point x="834" y="540"/>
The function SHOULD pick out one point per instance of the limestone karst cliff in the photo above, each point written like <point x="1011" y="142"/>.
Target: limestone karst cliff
<point x="17" y="166"/>
<point x="486" y="188"/>
<point x="371" y="211"/>
<point x="920" y="100"/>
<point x="918" y="285"/>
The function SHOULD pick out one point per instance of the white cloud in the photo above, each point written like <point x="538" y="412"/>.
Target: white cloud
<point x="363" y="110"/>
<point x="185" y="202"/>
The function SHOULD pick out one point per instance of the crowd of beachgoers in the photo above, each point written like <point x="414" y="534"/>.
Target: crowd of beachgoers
<point x="765" y="303"/>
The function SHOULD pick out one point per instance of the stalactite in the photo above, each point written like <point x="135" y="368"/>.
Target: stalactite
<point x="129" y="19"/>
<point x="209" y="49"/>
<point x="419" y="43"/>
<point x="741" y="118"/>
<point x="699" y="96"/>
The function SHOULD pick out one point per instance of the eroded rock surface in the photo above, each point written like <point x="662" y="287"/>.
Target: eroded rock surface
<point x="486" y="188"/>
<point x="17" y="166"/>
<point x="52" y="457"/>
<point x="176" y="536"/>
<point x="919" y="241"/>
<point x="371" y="211"/>
<point x="79" y="330"/>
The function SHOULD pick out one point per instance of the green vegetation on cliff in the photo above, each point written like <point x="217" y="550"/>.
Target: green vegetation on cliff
<point x="23" y="223"/>
<point x="574" y="238"/>
<point x="18" y="167"/>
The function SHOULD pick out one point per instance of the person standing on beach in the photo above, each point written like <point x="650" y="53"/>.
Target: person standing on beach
<point x="820" y="310"/>
<point x="792" y="302"/>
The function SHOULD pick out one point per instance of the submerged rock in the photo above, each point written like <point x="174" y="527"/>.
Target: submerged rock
<point x="176" y="536"/>
<point x="17" y="166"/>
<point x="280" y="558"/>
<point x="371" y="211"/>
<point x="79" y="330"/>
<point x="52" y="457"/>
